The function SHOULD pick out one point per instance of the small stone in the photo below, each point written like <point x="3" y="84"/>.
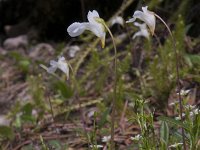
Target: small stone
<point x="16" y="42"/>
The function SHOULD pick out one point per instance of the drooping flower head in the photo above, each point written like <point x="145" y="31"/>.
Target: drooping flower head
<point x="117" y="20"/>
<point x="143" y="30"/>
<point x="61" y="64"/>
<point x="147" y="16"/>
<point x="72" y="50"/>
<point x="77" y="28"/>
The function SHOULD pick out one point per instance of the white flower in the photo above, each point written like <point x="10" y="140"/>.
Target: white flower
<point x="191" y="114"/>
<point x="178" y="118"/>
<point x="77" y="28"/>
<point x="106" y="138"/>
<point x="176" y="145"/>
<point x="72" y="50"/>
<point x="147" y="16"/>
<point x="184" y="92"/>
<point x="143" y="30"/>
<point x="91" y="113"/>
<point x="136" y="138"/>
<point x="61" y="64"/>
<point x="194" y="112"/>
<point x="173" y="103"/>
<point x="96" y="146"/>
<point x="190" y="107"/>
<point x="117" y="20"/>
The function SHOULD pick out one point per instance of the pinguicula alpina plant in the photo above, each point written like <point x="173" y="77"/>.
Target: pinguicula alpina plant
<point x="98" y="26"/>
<point x="146" y="16"/>
<point x="149" y="18"/>
<point x="77" y="28"/>
<point x="60" y="64"/>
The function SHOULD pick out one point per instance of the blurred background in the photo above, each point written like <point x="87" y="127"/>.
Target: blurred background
<point x="48" y="19"/>
<point x="33" y="32"/>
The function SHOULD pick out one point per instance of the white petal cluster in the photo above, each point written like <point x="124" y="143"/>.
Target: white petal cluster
<point x="174" y="103"/>
<point x="117" y="20"/>
<point x="72" y="50"/>
<point x="60" y="64"/>
<point x="77" y="28"/>
<point x="176" y="145"/>
<point x="192" y="114"/>
<point x="143" y="30"/>
<point x="136" y="138"/>
<point x="190" y="107"/>
<point x="146" y="16"/>
<point x="106" y="139"/>
<point x="184" y="92"/>
<point x="96" y="146"/>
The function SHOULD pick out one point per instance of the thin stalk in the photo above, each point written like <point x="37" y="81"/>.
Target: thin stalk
<point x="83" y="9"/>
<point x="84" y="55"/>
<point x="77" y="96"/>
<point x="51" y="108"/>
<point x="112" y="146"/>
<point x="178" y="78"/>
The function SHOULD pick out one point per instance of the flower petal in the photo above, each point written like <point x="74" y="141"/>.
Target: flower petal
<point x="61" y="58"/>
<point x="141" y="26"/>
<point x="144" y="9"/>
<point x="139" y="33"/>
<point x="75" y="29"/>
<point x="98" y="30"/>
<point x="148" y="17"/>
<point x="143" y="30"/>
<point x="63" y="66"/>
<point x="117" y="20"/>
<point x="51" y="69"/>
<point x="131" y="20"/>
<point x="91" y="15"/>
<point x="72" y="50"/>
<point x="93" y="25"/>
<point x="53" y="63"/>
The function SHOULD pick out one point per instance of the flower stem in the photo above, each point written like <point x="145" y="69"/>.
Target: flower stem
<point x="76" y="87"/>
<point x="178" y="78"/>
<point x="112" y="146"/>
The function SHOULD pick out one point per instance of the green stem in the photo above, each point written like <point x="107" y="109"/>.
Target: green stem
<point x="76" y="88"/>
<point x="84" y="55"/>
<point x="178" y="78"/>
<point x="115" y="89"/>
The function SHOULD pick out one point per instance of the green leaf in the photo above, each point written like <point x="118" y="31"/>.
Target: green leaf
<point x="54" y="144"/>
<point x="28" y="147"/>
<point x="6" y="132"/>
<point x="27" y="109"/>
<point x="173" y="121"/>
<point x="24" y="65"/>
<point x="27" y="113"/>
<point x="193" y="59"/>
<point x="16" y="55"/>
<point x="164" y="132"/>
<point x="103" y="118"/>
<point x="65" y="90"/>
